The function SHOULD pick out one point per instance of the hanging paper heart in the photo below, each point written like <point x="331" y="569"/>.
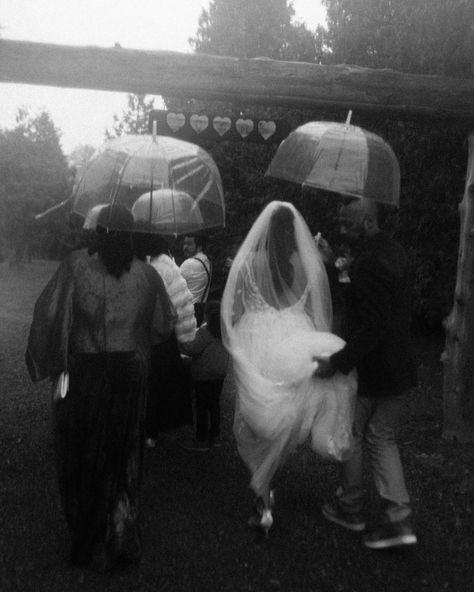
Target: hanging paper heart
<point x="221" y="125"/>
<point x="266" y="129"/>
<point x="175" y="121"/>
<point x="199" y="122"/>
<point x="244" y="127"/>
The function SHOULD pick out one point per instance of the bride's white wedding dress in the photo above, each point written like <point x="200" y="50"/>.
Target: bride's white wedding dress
<point x="280" y="403"/>
<point x="276" y="315"/>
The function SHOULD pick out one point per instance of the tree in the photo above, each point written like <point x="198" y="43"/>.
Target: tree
<point x="134" y="119"/>
<point x="262" y="28"/>
<point x="417" y="36"/>
<point x="34" y="175"/>
<point x="239" y="28"/>
<point x="79" y="158"/>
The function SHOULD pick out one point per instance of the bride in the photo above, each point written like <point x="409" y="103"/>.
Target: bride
<point x="276" y="319"/>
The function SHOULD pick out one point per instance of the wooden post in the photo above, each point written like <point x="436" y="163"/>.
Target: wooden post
<point x="458" y="357"/>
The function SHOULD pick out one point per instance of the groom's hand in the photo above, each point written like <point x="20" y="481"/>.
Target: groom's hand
<point x="325" y="250"/>
<point x="325" y="369"/>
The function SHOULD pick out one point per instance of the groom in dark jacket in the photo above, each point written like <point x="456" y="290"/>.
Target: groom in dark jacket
<point x="377" y="334"/>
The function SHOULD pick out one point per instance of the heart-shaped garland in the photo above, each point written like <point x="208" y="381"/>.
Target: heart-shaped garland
<point x="244" y="127"/>
<point x="175" y="121"/>
<point x="221" y="124"/>
<point x="266" y="129"/>
<point x="199" y="122"/>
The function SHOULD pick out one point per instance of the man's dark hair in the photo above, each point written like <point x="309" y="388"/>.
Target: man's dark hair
<point x="199" y="239"/>
<point x="375" y="207"/>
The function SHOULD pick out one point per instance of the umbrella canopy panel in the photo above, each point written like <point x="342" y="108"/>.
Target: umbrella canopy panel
<point x="168" y="211"/>
<point x="127" y="168"/>
<point x="339" y="157"/>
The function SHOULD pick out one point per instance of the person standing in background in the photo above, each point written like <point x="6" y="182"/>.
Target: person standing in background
<point x="197" y="271"/>
<point x="169" y="403"/>
<point x="208" y="369"/>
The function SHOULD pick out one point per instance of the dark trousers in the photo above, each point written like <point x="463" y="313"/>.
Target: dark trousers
<point x="169" y="404"/>
<point x="375" y="422"/>
<point x="208" y="412"/>
<point x="199" y="312"/>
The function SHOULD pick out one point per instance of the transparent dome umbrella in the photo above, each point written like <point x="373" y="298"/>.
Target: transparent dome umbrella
<point x="135" y="167"/>
<point x="341" y="158"/>
<point x="168" y="212"/>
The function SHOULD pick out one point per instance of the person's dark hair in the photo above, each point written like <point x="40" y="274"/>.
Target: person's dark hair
<point x="212" y="314"/>
<point x="199" y="239"/>
<point x="377" y="209"/>
<point x="145" y="243"/>
<point x="114" y="244"/>
<point x="281" y="238"/>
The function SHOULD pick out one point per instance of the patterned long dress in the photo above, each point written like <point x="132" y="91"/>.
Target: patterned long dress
<point x="99" y="328"/>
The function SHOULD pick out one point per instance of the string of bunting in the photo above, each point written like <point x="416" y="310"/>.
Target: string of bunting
<point x="194" y="126"/>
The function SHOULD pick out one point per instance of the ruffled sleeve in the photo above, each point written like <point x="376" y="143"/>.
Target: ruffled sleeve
<point x="180" y="296"/>
<point x="164" y="316"/>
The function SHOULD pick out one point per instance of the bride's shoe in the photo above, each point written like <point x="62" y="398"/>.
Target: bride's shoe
<point x="262" y="519"/>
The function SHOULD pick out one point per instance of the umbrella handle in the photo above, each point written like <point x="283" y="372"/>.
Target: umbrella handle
<point x="52" y="209"/>
<point x="348" y="118"/>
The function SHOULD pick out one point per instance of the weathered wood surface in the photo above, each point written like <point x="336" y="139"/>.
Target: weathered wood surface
<point x="246" y="81"/>
<point x="458" y="357"/>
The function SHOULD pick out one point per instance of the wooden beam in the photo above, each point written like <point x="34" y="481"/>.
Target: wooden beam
<point x="245" y="81"/>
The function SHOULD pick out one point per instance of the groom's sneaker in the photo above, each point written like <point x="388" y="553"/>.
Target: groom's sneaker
<point x="350" y="520"/>
<point x="391" y="534"/>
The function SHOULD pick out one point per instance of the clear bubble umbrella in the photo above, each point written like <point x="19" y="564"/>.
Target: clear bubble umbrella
<point x="168" y="212"/>
<point x="341" y="158"/>
<point x="139" y="171"/>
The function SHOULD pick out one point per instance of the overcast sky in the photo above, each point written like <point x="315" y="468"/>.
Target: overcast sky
<point x="83" y="115"/>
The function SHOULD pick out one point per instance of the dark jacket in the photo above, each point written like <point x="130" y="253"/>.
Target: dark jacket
<point x="377" y="323"/>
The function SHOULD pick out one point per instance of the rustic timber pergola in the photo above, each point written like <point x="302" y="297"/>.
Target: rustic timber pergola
<point x="292" y="85"/>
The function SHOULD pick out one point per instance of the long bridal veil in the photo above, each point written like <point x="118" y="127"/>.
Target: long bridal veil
<point x="276" y="317"/>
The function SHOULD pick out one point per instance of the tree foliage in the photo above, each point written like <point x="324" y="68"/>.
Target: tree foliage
<point x="79" y="158"/>
<point x="261" y="28"/>
<point x="417" y="36"/>
<point x="34" y="175"/>
<point x="134" y="119"/>
<point x="258" y="29"/>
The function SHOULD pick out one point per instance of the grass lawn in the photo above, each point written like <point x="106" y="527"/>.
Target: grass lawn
<point x="195" y="506"/>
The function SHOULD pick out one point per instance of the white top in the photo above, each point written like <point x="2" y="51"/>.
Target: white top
<point x="196" y="276"/>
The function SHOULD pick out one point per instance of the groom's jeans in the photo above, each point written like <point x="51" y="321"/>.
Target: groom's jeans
<point x="374" y="425"/>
